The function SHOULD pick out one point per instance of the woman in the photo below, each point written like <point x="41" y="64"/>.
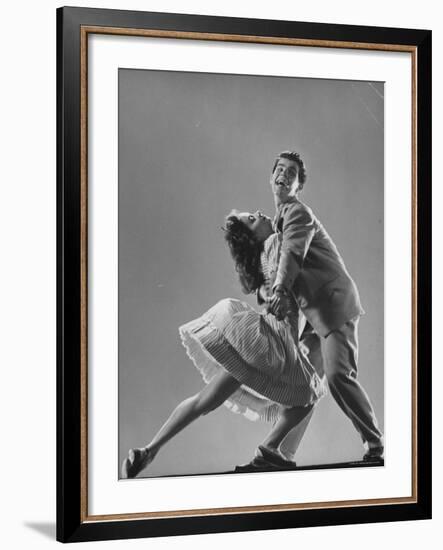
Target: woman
<point x="250" y="361"/>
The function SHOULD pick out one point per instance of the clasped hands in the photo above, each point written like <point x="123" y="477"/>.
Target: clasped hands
<point x="279" y="304"/>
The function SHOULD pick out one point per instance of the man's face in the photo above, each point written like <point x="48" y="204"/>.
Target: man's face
<point x="284" y="179"/>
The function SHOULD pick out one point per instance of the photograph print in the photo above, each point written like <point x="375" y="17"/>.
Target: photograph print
<point x="251" y="273"/>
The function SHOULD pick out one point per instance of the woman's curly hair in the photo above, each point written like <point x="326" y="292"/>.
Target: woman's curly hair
<point x="245" y="251"/>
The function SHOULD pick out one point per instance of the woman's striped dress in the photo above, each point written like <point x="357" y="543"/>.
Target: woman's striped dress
<point x="257" y="350"/>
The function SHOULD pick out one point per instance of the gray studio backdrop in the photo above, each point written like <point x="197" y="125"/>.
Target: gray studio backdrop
<point x="191" y="147"/>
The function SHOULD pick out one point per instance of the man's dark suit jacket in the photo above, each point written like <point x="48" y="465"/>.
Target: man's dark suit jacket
<point x="312" y="270"/>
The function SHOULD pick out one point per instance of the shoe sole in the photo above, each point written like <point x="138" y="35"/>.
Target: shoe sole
<point x="275" y="460"/>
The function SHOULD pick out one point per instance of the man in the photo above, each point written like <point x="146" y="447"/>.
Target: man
<point x="312" y="272"/>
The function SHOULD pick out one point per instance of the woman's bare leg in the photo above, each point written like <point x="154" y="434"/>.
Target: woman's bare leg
<point x="288" y="420"/>
<point x="289" y="445"/>
<point x="209" y="398"/>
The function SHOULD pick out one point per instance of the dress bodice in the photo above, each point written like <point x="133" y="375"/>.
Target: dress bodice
<point x="269" y="260"/>
<point x="269" y="263"/>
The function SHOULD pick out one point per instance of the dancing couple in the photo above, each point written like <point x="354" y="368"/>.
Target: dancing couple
<point x="272" y="364"/>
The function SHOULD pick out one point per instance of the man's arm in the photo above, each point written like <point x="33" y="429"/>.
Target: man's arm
<point x="298" y="230"/>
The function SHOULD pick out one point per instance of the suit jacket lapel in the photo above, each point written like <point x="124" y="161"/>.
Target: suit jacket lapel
<point x="277" y="223"/>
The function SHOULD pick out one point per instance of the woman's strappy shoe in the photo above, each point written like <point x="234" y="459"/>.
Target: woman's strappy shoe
<point x="137" y="461"/>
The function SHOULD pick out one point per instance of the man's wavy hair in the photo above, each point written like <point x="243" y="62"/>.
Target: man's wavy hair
<point x="245" y="251"/>
<point x="295" y="157"/>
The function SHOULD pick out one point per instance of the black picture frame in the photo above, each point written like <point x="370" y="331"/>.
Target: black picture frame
<point x="73" y="524"/>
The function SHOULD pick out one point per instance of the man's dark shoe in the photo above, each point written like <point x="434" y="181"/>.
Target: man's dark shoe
<point x="266" y="461"/>
<point x="375" y="454"/>
<point x="274" y="459"/>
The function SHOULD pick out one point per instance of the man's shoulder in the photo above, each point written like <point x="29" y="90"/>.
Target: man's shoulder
<point x="296" y="208"/>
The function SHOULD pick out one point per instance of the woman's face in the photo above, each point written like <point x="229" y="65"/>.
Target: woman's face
<point x="258" y="223"/>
